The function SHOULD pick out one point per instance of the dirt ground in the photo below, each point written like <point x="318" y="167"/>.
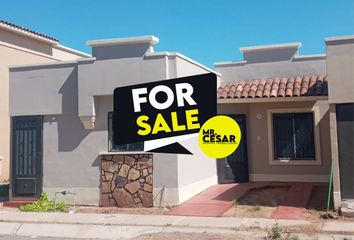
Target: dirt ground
<point x="250" y="211"/>
<point x="108" y="210"/>
<point x="265" y="196"/>
<point x="115" y="210"/>
<point x="259" y="202"/>
<point x="317" y="205"/>
<point x="318" y="199"/>
<point x="262" y="202"/>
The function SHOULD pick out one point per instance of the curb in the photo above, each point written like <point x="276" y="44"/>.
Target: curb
<point x="165" y="221"/>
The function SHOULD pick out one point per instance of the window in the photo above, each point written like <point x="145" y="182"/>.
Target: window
<point x="125" y="147"/>
<point x="293" y="136"/>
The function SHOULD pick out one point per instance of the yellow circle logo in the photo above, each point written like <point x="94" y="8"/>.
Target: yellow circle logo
<point x="219" y="136"/>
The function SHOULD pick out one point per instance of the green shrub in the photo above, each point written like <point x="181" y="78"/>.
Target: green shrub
<point x="45" y="205"/>
<point x="275" y="232"/>
<point x="278" y="233"/>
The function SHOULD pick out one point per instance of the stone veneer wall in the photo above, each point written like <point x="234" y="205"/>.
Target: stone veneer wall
<point x="126" y="180"/>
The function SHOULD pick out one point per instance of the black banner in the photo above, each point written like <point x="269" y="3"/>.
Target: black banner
<point x="163" y="108"/>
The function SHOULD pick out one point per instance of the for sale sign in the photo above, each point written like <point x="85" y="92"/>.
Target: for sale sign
<point x="164" y="112"/>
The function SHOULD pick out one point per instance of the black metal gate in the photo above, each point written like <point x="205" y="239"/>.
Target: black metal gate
<point x="345" y="132"/>
<point x="234" y="168"/>
<point x="27" y="156"/>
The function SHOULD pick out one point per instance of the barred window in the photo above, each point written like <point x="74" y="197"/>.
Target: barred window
<point x="139" y="146"/>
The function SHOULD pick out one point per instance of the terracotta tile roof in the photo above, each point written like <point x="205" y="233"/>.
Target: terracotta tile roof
<point x="277" y="87"/>
<point x="26" y="30"/>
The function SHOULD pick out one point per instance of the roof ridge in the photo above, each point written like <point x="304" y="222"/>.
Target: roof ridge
<point x="28" y="30"/>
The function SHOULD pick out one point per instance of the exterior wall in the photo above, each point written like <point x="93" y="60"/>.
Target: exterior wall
<point x="25" y="42"/>
<point x="260" y="168"/>
<point x="185" y="68"/>
<point x="271" y="62"/>
<point x="191" y="181"/>
<point x="103" y="76"/>
<point x="76" y="152"/>
<point x="340" y="71"/>
<point x="340" y="62"/>
<point x="52" y="90"/>
<point x="67" y="54"/>
<point x="266" y="70"/>
<point x="165" y="183"/>
<point x="116" y="51"/>
<point x="10" y="56"/>
<point x="334" y="155"/>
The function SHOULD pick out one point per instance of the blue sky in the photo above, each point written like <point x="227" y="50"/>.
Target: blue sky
<point x="207" y="31"/>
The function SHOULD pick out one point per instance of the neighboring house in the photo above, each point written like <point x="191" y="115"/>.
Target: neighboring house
<point x="19" y="45"/>
<point x="70" y="124"/>
<point x="281" y="100"/>
<point x="286" y="104"/>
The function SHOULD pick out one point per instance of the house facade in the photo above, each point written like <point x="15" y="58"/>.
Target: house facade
<point x="281" y="100"/>
<point x="19" y="45"/>
<point x="71" y="125"/>
<point x="288" y="104"/>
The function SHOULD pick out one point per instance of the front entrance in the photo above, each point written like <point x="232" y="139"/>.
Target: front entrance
<point x="26" y="156"/>
<point x="345" y="132"/>
<point x="234" y="168"/>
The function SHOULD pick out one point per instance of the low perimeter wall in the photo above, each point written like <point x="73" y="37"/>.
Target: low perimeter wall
<point x="126" y="180"/>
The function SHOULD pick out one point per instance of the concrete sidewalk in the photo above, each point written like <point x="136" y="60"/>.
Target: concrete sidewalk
<point x="146" y="220"/>
<point x="109" y="226"/>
